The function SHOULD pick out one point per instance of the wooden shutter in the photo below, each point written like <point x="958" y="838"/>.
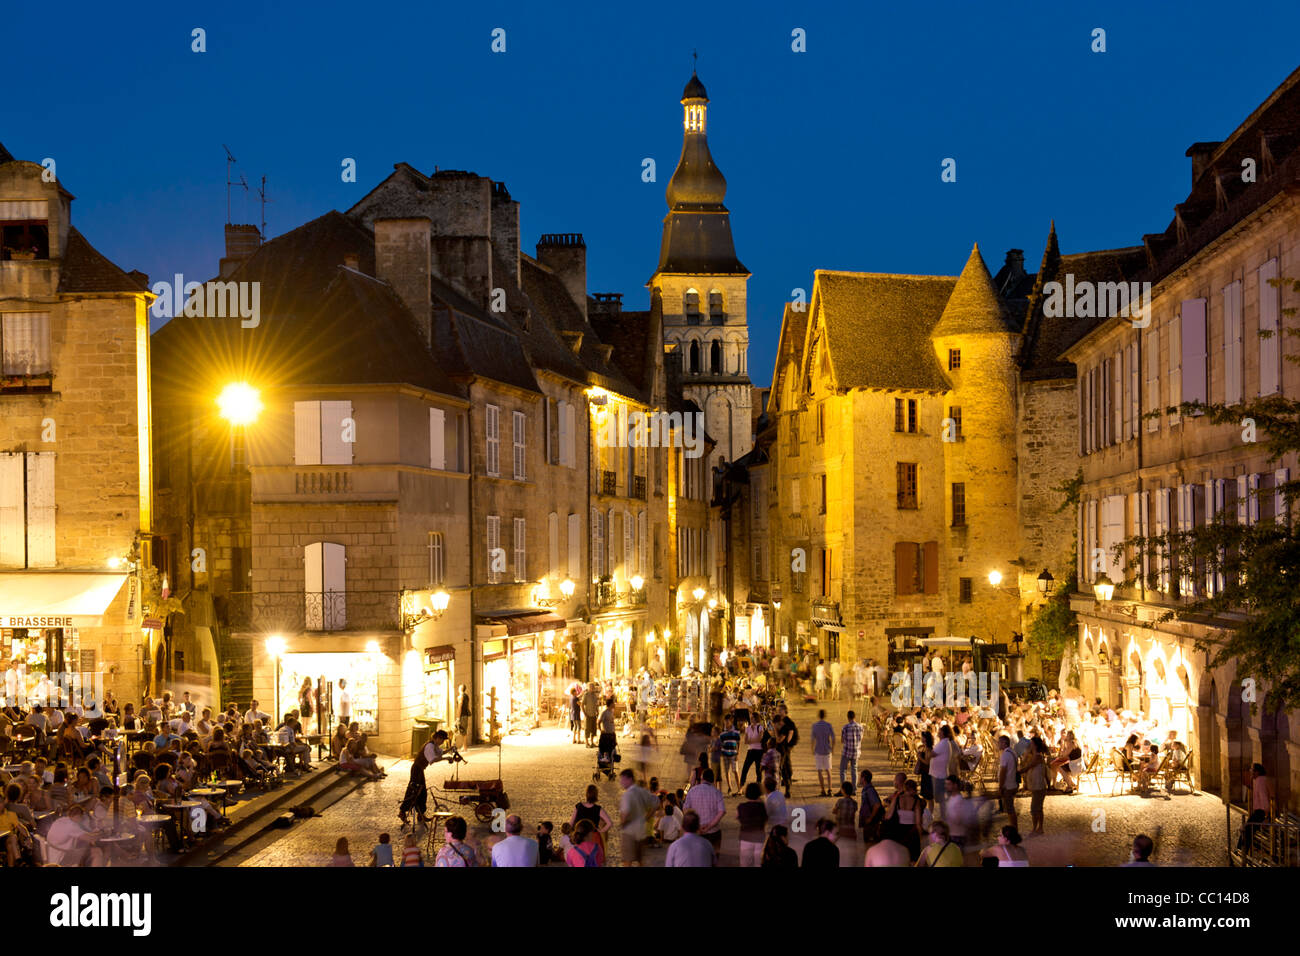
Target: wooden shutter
<point x="597" y="542"/>
<point x="40" y="510"/>
<point x="574" y="569"/>
<point x="493" y="543"/>
<point x="1176" y="390"/>
<point x="643" y="566"/>
<point x="1280" y="479"/>
<point x="334" y="559"/>
<point x="930" y="554"/>
<point x="13" y="528"/>
<point x="904" y="567"/>
<point x="1195" y="374"/>
<point x="521" y="550"/>
<point x="306" y="433"/>
<point x="314" y="586"/>
<point x="333" y="449"/>
<point x="437" y="438"/>
<point x="571" y="435"/>
<point x="1232" y="350"/>
<point x="518" y="446"/>
<point x="1092" y="539"/>
<point x="1270" y="347"/>
<point x="492" y="424"/>
<point x="1151" y="351"/>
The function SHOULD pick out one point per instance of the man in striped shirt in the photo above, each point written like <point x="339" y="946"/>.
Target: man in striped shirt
<point x="851" y="747"/>
<point x="706" y="800"/>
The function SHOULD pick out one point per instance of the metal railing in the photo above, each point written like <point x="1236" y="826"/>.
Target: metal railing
<point x="638" y="487"/>
<point x="1271" y="843"/>
<point x="609" y="483"/>
<point x="275" y="611"/>
<point x="606" y="594"/>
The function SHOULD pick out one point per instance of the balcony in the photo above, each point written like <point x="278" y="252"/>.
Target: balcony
<point x="322" y="482"/>
<point x="638" y="487"/>
<point x="606" y="594"/>
<point x="321" y="611"/>
<point x="608" y="483"/>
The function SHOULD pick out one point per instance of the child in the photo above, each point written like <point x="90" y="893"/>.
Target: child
<point x="846" y="813"/>
<point x="566" y="839"/>
<point x="545" y="848"/>
<point x="771" y="762"/>
<point x="669" y="825"/>
<point x="411" y="855"/>
<point x="382" y="854"/>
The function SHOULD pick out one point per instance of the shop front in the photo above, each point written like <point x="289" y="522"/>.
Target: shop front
<point x="517" y="653"/>
<point x="440" y="685"/>
<point x="336" y="682"/>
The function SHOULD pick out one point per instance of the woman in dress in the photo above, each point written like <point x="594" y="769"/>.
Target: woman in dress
<point x="593" y="813"/>
<point x="1035" y="772"/>
<point x="923" y="754"/>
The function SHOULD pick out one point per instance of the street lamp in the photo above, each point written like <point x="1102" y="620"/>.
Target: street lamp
<point x="1103" y="589"/>
<point x="438" y="602"/>
<point x="1045" y="582"/>
<point x="566" y="588"/>
<point x="636" y="582"/>
<point x="698" y="594"/>
<point x="239" y="403"/>
<point x="995" y="578"/>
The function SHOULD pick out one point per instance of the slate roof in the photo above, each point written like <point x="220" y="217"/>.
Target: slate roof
<point x="794" y="329"/>
<point x="84" y="269"/>
<point x="974" y="306"/>
<point x="877" y="328"/>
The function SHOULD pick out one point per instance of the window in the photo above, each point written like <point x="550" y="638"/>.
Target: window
<point x="629" y="546"/>
<point x="959" y="504"/>
<point x="954" y="359"/>
<point x="900" y="415"/>
<point x="574" y="568"/>
<point x="695" y="358"/>
<point x="715" y="304"/>
<point x="1232" y="344"/>
<point x="1270" y="375"/>
<point x="916" y="568"/>
<point x="27" y="509"/>
<point x="521" y="466"/>
<point x="826" y="571"/>
<point x="954" y="413"/>
<point x="493" y="426"/>
<point x="1151" y="351"/>
<point x="691" y="303"/>
<point x="322" y="433"/>
<point x="1194" y="375"/>
<point x="521" y="550"/>
<point x="822" y="480"/>
<point x="326" y="608"/>
<point x="911" y="416"/>
<point x="493" y="546"/>
<point x="24" y="229"/>
<point x="905" y="475"/>
<point x="715" y="357"/>
<point x="821" y="422"/>
<point x="964" y="590"/>
<point x="437" y="438"/>
<point x="436" y="558"/>
<point x="794" y="434"/>
<point x="25" y="343"/>
<point x="568" y="425"/>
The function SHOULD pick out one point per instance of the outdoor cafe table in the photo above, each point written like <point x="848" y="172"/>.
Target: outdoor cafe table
<point x="212" y="792"/>
<point x="115" y="842"/>
<point x="179" y="809"/>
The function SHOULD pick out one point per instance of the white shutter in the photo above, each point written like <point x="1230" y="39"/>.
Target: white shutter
<point x="1175" y="350"/>
<point x="548" y="412"/>
<point x="553" y="540"/>
<point x="1252" y="510"/>
<point x="1112" y="535"/>
<point x="1162" y="528"/>
<point x="521" y="550"/>
<point x="1213" y="503"/>
<point x="493" y="542"/>
<point x="493" y="425"/>
<point x="1116" y="412"/>
<point x="437" y="438"/>
<point x="642" y="565"/>
<point x="1134" y="390"/>
<point x="1232" y="351"/>
<point x="571" y="431"/>
<point x="1142" y="524"/>
<point x="597" y="543"/>
<point x="1151" y="347"/>
<point x="306" y="433"/>
<point x="40" y="510"/>
<point x="13" y="531"/>
<point x="575" y="547"/>
<point x="1269" y="348"/>
<point x="1195" y="375"/>
<point x="1092" y="539"/>
<point x="520" y="453"/>
<point x="334" y="559"/>
<point x="1243" y="501"/>
<point x="333" y="449"/>
<point x="314" y="587"/>
<point x="20" y="209"/>
<point x="1280" y="478"/>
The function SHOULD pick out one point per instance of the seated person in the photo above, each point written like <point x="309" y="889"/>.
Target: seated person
<point x="357" y="758"/>
<point x="15" y="804"/>
<point x="1176" y="750"/>
<point x="253" y="763"/>
<point x="98" y="772"/>
<point x="84" y="788"/>
<point x="298" y="750"/>
<point x="205" y="726"/>
<point x="56" y="793"/>
<point x="1148" y="768"/>
<point x="19" y="838"/>
<point x="130" y="722"/>
<point x="69" y="839"/>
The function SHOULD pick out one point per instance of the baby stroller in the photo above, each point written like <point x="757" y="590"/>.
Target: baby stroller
<point x="605" y="761"/>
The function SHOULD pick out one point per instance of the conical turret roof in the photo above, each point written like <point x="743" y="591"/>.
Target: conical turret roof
<point x="974" y="305"/>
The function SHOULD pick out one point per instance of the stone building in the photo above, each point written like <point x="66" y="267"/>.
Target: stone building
<point x="76" y="506"/>
<point x="1147" y="470"/>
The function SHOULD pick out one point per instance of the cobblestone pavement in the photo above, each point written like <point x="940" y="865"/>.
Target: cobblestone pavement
<point x="545" y="775"/>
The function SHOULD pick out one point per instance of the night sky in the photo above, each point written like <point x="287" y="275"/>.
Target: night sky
<point x="832" y="156"/>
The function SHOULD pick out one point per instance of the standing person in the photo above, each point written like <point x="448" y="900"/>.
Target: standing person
<point x="1008" y="777"/>
<point x="344" y="702"/>
<point x="851" y="749"/>
<point x="342" y="856"/>
<point x="922" y="770"/>
<point x="1036" y="771"/>
<point x="871" y="809"/>
<point x="608" y="736"/>
<point x="822" y="853"/>
<point x="304" y="698"/>
<point x="575" y="710"/>
<point x="788" y="740"/>
<point x="837" y="676"/>
<point x="691" y="849"/>
<point x="752" y="814"/>
<point x="706" y="800"/>
<point x="1263" y="797"/>
<point x="715" y="751"/>
<point x="516" y="850"/>
<point x="754" y="734"/>
<point x="730" y="745"/>
<point x="943" y="760"/>
<point x="591" y="811"/>
<point x="590" y="711"/>
<point x="635" y="809"/>
<point x="823" y="738"/>
<point x="846" y="812"/>
<point x="778" y="813"/>
<point x="820" y="688"/>
<point x="464" y="713"/>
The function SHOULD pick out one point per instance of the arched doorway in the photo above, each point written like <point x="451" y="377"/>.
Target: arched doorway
<point x="1210" y="753"/>
<point x="695" y="358"/>
<point x="715" y="357"/>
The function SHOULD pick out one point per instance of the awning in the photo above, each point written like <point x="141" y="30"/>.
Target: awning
<point x="53" y="599"/>
<point x="837" y="628"/>
<point x="524" y="621"/>
<point x="945" y="642"/>
<point x="439" y="654"/>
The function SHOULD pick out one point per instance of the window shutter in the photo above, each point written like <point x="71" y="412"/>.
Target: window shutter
<point x="334" y="560"/>
<point x="521" y="549"/>
<point x="520" y="451"/>
<point x="40" y="510"/>
<point x="597" y="552"/>
<point x="306" y="433"/>
<point x="1243" y="501"/>
<point x="1232" y="351"/>
<point x="641" y="564"/>
<point x="1280" y="478"/>
<point x="437" y="438"/>
<point x="571" y="425"/>
<point x="333" y="449"/>
<point x="13" y="531"/>
<point x="930" y="554"/>
<point x="1134" y="392"/>
<point x="904" y="567"/>
<point x="1195" y="374"/>
<point x="1093" y="529"/>
<point x="1116" y="412"/>
<point x="553" y="540"/>
<point x="1176" y="390"/>
<point x="574" y="570"/>
<point x="1137" y="521"/>
<point x="493" y="543"/>
<point x="492" y="431"/>
<point x="1163" y="501"/>
<point x="1151" y="349"/>
<point x="1270" y="347"/>
<point x="629" y="552"/>
<point x="313" y="565"/>
<point x="1254" y="494"/>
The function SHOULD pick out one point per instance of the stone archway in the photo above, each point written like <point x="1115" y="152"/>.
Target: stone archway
<point x="1209" y="756"/>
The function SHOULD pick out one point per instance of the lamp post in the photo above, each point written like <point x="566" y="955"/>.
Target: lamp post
<point x="275" y="647"/>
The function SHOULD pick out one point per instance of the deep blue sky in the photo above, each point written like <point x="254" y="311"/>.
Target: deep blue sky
<point x="832" y="156"/>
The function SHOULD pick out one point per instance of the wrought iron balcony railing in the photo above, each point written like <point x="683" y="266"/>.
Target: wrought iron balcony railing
<point x="606" y="594"/>
<point x="278" y="611"/>
<point x="638" y="487"/>
<point x="608" y="483"/>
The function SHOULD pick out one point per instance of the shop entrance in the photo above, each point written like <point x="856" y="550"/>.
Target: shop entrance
<point x="324" y="672"/>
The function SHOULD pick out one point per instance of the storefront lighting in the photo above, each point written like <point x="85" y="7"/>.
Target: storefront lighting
<point x="995" y="578"/>
<point x="566" y="588"/>
<point x="713" y="604"/>
<point x="115" y="563"/>
<point x="372" y="648"/>
<point x="1103" y="589"/>
<point x="699" y="594"/>
<point x="239" y="403"/>
<point x="637" y="582"/>
<point x="1045" y="582"/>
<point x="275" y="646"/>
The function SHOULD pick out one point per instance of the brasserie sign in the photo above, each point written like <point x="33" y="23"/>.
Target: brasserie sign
<point x="35" y="620"/>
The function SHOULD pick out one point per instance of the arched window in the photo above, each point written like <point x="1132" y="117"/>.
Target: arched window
<point x="695" y="358"/>
<point x="715" y="357"/>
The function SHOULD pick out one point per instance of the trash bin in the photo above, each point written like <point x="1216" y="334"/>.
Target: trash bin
<point x="421" y="732"/>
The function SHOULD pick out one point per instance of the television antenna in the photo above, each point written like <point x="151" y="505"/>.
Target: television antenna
<point x="230" y="162"/>
<point x="261" y="195"/>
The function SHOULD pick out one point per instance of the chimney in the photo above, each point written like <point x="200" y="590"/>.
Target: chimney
<point x="241" y="243"/>
<point x="606" y="303"/>
<point x="1015" y="269"/>
<point x="403" y="259"/>
<point x="565" y="254"/>
<point x="505" y="231"/>
<point x="460" y="208"/>
<point x="1200" y="154"/>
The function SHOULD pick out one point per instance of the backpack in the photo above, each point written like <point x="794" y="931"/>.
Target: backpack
<point x="794" y="736"/>
<point x="588" y="859"/>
